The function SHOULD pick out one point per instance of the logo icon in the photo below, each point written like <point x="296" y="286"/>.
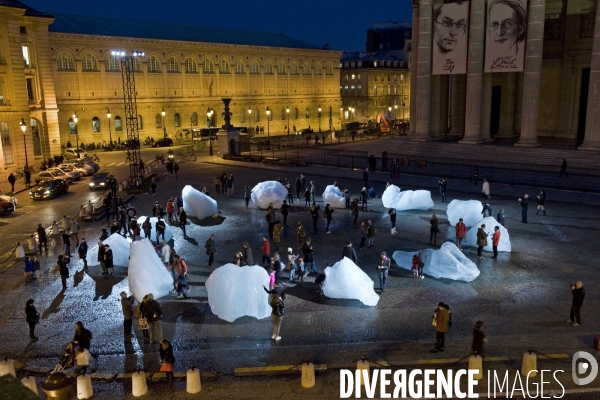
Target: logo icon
<point x="579" y="367"/>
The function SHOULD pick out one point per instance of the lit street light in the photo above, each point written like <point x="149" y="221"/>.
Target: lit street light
<point x="164" y="127"/>
<point x="319" y="118"/>
<point x="108" y="115"/>
<point x="75" y="119"/>
<point x="249" y="113"/>
<point x="287" y="110"/>
<point x="23" y="126"/>
<point x="209" y="114"/>
<point x="268" y="129"/>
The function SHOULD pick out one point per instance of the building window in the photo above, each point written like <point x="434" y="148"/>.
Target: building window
<point x="35" y="134"/>
<point x="137" y="66"/>
<point x="318" y="69"/>
<point x="346" y="78"/>
<point x="140" y="123"/>
<point x="158" y="120"/>
<point x="194" y="119"/>
<point x="283" y="114"/>
<point x="242" y="117"/>
<point x="239" y="67"/>
<point x="26" y="56"/>
<point x="268" y="68"/>
<point x="23" y="30"/>
<point x="359" y="64"/>
<point x="30" y="94"/>
<point x="6" y="145"/>
<point x="256" y="115"/>
<point x="305" y="69"/>
<point x="296" y="113"/>
<point x="112" y="64"/>
<point x="375" y="63"/>
<point x="389" y="90"/>
<point x="153" y="65"/>
<point x="118" y="124"/>
<point x="190" y="66"/>
<point x="95" y="125"/>
<point x="395" y="90"/>
<point x="401" y="77"/>
<point x="177" y="120"/>
<point x="72" y="127"/>
<point x="329" y="70"/>
<point x="173" y="66"/>
<point x="254" y="67"/>
<point x="281" y="68"/>
<point x="65" y="62"/>
<point x="375" y="90"/>
<point x="223" y="66"/>
<point x="208" y="67"/>
<point x="89" y="63"/>
<point x="294" y="69"/>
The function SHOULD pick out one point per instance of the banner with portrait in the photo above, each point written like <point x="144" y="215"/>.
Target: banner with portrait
<point x="505" y="33"/>
<point x="450" y="38"/>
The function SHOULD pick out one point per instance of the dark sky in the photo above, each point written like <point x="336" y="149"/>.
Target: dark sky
<point x="342" y="24"/>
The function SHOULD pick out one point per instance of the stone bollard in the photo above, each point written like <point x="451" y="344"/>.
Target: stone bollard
<point x="193" y="382"/>
<point x="308" y="374"/>
<point x="362" y="365"/>
<point x="32" y="244"/>
<point x="529" y="364"/>
<point x="20" y="251"/>
<point x="7" y="366"/>
<point x="55" y="228"/>
<point x="476" y="363"/>
<point x="139" y="386"/>
<point x="30" y="384"/>
<point x="84" y="386"/>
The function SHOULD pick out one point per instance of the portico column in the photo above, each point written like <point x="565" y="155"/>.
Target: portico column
<point x="413" y="68"/>
<point x="532" y="74"/>
<point x="486" y="107"/>
<point x="507" y="106"/>
<point x="474" y="73"/>
<point x="423" y="94"/>
<point x="436" y="93"/>
<point x="591" y="140"/>
<point x="459" y="90"/>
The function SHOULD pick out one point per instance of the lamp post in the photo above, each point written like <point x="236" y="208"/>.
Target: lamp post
<point x="75" y="119"/>
<point x="268" y="127"/>
<point x="352" y="114"/>
<point x="395" y="112"/>
<point x="108" y="115"/>
<point x="23" y="126"/>
<point x="287" y="110"/>
<point x="319" y="118"/>
<point x="164" y="127"/>
<point x="209" y="114"/>
<point x="249" y="113"/>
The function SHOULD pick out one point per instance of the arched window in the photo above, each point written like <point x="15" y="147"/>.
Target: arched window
<point x="223" y="66"/>
<point x="208" y="67"/>
<point x="65" y="62"/>
<point x="239" y="67"/>
<point x="318" y="69"/>
<point x="6" y="145"/>
<point x="307" y="112"/>
<point x="176" y="120"/>
<point x="268" y="68"/>
<point x="95" y="125"/>
<point x="173" y="66"/>
<point x="153" y="65"/>
<point x="281" y="68"/>
<point x="72" y="127"/>
<point x="305" y="69"/>
<point x="191" y="66"/>
<point x="294" y="69"/>
<point x="158" y="120"/>
<point x="254" y="67"/>
<point x="118" y="124"/>
<point x="35" y="134"/>
<point x="89" y="63"/>
<point x="112" y="64"/>
<point x="140" y="123"/>
<point x="137" y="66"/>
<point x="329" y="70"/>
<point x="194" y="119"/>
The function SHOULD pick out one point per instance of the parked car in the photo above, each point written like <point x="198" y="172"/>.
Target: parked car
<point x="6" y="207"/>
<point x="304" y="131"/>
<point x="83" y="169"/>
<point x="71" y="153"/>
<point x="164" y="142"/>
<point x="50" y="175"/>
<point x="49" y="189"/>
<point x="100" y="180"/>
<point x="74" y="174"/>
<point x="12" y="199"/>
<point x="88" y="161"/>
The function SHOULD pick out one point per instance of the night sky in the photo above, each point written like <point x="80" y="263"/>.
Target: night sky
<point x="341" y="24"/>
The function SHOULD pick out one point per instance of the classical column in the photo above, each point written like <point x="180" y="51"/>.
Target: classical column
<point x="412" y="104"/>
<point x="532" y="74"/>
<point x="507" y="106"/>
<point x="423" y="94"/>
<point x="459" y="91"/>
<point x="444" y="99"/>
<point x="436" y="94"/>
<point x="486" y="107"/>
<point x="591" y="140"/>
<point x="474" y="73"/>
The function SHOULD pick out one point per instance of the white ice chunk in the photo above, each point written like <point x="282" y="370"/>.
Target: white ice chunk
<point x="234" y="292"/>
<point x="147" y="274"/>
<point x="120" y="249"/>
<point x="334" y="197"/>
<point x="345" y="280"/>
<point x="448" y="262"/>
<point x="197" y="204"/>
<point x="468" y="210"/>
<point x="168" y="232"/>
<point x="490" y="223"/>
<point x="268" y="192"/>
<point x="408" y="200"/>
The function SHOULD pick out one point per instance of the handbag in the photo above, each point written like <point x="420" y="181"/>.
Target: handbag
<point x="137" y="312"/>
<point x="166" y="367"/>
<point x="144" y="324"/>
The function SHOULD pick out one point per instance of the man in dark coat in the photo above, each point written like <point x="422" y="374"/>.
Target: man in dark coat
<point x="182" y="220"/>
<point x="82" y="250"/>
<point x="350" y="252"/>
<point x="578" y="293"/>
<point x="12" y="180"/>
<point x="366" y="177"/>
<point x="64" y="271"/>
<point x="42" y="237"/>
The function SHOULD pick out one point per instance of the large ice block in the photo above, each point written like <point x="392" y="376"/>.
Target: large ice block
<point x="345" y="280"/>
<point x="490" y="223"/>
<point x="197" y="204"/>
<point x="408" y="200"/>
<point x="120" y="249"/>
<point x="234" y="292"/>
<point x="333" y="196"/>
<point x="168" y="232"/>
<point x="468" y="210"/>
<point x="447" y="262"/>
<point x="268" y="192"/>
<point x="147" y="274"/>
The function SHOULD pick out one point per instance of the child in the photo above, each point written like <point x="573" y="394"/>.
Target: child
<point x="301" y="269"/>
<point x="83" y="359"/>
<point x="272" y="272"/>
<point x="478" y="339"/>
<point x="415" y="265"/>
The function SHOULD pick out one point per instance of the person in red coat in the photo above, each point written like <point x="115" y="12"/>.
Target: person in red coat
<point x="495" y="241"/>
<point x="461" y="231"/>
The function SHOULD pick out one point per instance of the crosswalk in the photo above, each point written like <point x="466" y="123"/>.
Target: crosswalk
<point x="116" y="164"/>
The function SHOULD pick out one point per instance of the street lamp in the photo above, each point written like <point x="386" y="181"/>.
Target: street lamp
<point x="319" y="118"/>
<point x="108" y="115"/>
<point x="287" y="110"/>
<point x="164" y="127"/>
<point x="268" y="129"/>
<point x="75" y="119"/>
<point x="209" y="114"/>
<point x="249" y="113"/>
<point x="395" y="111"/>
<point x="352" y="115"/>
<point x="23" y="126"/>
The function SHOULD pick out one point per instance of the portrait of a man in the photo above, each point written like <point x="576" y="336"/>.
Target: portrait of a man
<point x="450" y="34"/>
<point x="505" y="35"/>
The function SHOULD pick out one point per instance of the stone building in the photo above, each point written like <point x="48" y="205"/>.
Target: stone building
<point x="53" y="68"/>
<point x="557" y="94"/>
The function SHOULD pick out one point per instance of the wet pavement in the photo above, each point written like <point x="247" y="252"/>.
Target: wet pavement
<point x="523" y="297"/>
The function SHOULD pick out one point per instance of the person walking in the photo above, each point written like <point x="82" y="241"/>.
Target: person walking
<point x="83" y="337"/>
<point x="524" y="206"/>
<point x="486" y="209"/>
<point x="32" y="316"/>
<point x="160" y="229"/>
<point x="64" y="271"/>
<point x="182" y="221"/>
<point x="481" y="241"/>
<point x="271" y="219"/>
<point x="307" y="197"/>
<point x="441" y="321"/>
<point x="478" y="339"/>
<point x="475" y="175"/>
<point x="485" y="189"/>
<point x="300" y="233"/>
<point x="563" y="169"/>
<point x="328" y="214"/>
<point x="153" y="312"/>
<point x="421" y="264"/>
<point x="170" y="207"/>
<point x="82" y="250"/>
<point x="290" y="195"/>
<point x="42" y="237"/>
<point x="247" y="193"/>
<point x="383" y="267"/>
<point x="442" y="186"/>
<point x="66" y="239"/>
<point x="277" y="235"/>
<point x="495" y="241"/>
<point x="309" y="251"/>
<point x="393" y="168"/>
<point x="578" y="293"/>
<point x="349" y="252"/>
<point x="176" y="170"/>
<point x="285" y="210"/>
<point x="217" y="182"/>
<point x="153" y="186"/>
<point x="101" y="258"/>
<point x="354" y="207"/>
<point x="291" y="263"/>
<point x="392" y="214"/>
<point x="347" y="198"/>
<point x="366" y="177"/>
<point x="248" y="259"/>
<point x="266" y="251"/>
<point x="371" y="230"/>
<point x="127" y="308"/>
<point x="230" y="187"/>
<point x="299" y="188"/>
<point x="277" y="312"/>
<point x="167" y="360"/>
<point x="364" y="196"/>
<point x="461" y="231"/>
<point x="211" y="249"/>
<point x="12" y="180"/>
<point x="541" y="203"/>
<point x="501" y="217"/>
<point x="143" y="319"/>
<point x="108" y="260"/>
<point x="434" y="229"/>
<point x="363" y="235"/>
<point x="27" y="176"/>
<point x="314" y="212"/>
<point x="313" y="192"/>
<point x="224" y="183"/>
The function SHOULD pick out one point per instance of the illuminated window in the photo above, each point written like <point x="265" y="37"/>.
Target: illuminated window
<point x="173" y="66"/>
<point x="65" y="62"/>
<point x="95" y="125"/>
<point x="318" y="69"/>
<point x="112" y="64"/>
<point x="153" y="65"/>
<point x="239" y="67"/>
<point x="118" y="124"/>
<point x="305" y="69"/>
<point x="208" y="67"/>
<point x="191" y="67"/>
<point x="281" y="68"/>
<point x="254" y="67"/>
<point x="294" y="69"/>
<point x="268" y="68"/>
<point x="223" y="66"/>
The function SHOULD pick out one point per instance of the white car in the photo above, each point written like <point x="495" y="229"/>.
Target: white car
<point x="71" y="154"/>
<point x="68" y="171"/>
<point x="81" y="168"/>
<point x="51" y="175"/>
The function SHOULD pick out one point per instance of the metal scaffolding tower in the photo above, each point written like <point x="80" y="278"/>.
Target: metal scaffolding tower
<point x="131" y="121"/>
